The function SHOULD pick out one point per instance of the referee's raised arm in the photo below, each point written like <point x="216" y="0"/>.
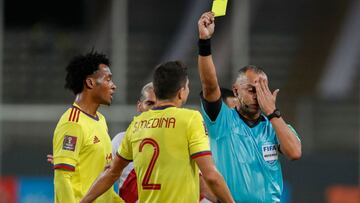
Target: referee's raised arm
<point x="207" y="71"/>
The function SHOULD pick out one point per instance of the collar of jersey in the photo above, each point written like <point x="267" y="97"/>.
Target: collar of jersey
<point x="250" y="123"/>
<point x="91" y="116"/>
<point x="162" y="107"/>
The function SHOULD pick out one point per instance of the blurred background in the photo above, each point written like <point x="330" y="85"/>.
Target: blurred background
<point x="310" y="50"/>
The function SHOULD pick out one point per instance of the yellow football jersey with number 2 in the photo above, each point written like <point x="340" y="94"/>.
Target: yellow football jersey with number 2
<point x="163" y="143"/>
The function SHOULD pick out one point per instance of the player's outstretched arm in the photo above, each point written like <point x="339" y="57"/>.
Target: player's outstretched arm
<point x="207" y="71"/>
<point x="105" y="180"/>
<point x="214" y="179"/>
<point x="63" y="188"/>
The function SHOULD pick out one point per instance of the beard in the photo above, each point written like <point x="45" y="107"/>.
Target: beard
<point x="248" y="110"/>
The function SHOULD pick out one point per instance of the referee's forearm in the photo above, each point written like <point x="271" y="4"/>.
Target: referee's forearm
<point x="289" y="143"/>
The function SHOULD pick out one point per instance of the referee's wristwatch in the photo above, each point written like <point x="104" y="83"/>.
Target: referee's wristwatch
<point x="276" y="113"/>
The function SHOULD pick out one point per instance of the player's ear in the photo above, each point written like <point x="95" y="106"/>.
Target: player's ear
<point x="235" y="91"/>
<point x="181" y="93"/>
<point x="138" y="107"/>
<point x="90" y="83"/>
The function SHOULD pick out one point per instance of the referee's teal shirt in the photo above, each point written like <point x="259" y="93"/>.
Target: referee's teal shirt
<point x="247" y="157"/>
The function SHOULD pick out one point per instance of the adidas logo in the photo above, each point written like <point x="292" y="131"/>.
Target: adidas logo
<point x="96" y="140"/>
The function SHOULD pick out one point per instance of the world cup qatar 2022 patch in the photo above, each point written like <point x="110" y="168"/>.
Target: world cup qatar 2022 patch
<point x="69" y="142"/>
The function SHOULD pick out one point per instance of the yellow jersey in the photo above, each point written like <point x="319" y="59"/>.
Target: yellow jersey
<point x="81" y="144"/>
<point x="162" y="144"/>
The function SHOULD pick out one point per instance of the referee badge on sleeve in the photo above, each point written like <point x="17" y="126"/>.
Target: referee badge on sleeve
<point x="69" y="142"/>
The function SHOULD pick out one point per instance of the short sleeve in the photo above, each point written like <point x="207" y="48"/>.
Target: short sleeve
<point x="197" y="137"/>
<point x="220" y="124"/>
<point x="125" y="149"/>
<point x="67" y="143"/>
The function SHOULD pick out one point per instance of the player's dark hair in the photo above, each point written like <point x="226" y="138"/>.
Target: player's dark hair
<point x="225" y="93"/>
<point x="168" y="78"/>
<point x="82" y="66"/>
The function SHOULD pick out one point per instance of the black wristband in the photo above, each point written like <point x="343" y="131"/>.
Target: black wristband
<point x="204" y="47"/>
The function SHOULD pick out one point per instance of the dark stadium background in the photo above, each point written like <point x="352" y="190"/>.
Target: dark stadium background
<point x="310" y="50"/>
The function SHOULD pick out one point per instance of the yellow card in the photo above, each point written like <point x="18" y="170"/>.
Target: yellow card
<point x="219" y="7"/>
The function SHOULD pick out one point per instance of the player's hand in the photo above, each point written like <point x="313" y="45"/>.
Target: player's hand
<point x="50" y="158"/>
<point x="265" y="98"/>
<point x="206" y="25"/>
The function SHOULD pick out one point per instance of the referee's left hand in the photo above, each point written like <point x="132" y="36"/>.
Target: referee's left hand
<point x="265" y="98"/>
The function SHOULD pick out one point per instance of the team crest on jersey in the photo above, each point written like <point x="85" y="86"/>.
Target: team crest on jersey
<point x="69" y="142"/>
<point x="270" y="152"/>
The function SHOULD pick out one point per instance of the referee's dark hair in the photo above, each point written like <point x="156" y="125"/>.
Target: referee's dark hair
<point x="168" y="78"/>
<point x="80" y="67"/>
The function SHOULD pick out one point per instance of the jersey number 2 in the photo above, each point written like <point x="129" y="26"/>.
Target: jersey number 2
<point x="145" y="183"/>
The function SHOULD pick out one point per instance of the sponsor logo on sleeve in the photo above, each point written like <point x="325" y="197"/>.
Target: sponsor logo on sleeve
<point x="270" y="152"/>
<point x="69" y="142"/>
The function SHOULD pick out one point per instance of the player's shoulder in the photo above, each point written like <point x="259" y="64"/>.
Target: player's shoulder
<point x="66" y="125"/>
<point x="185" y="115"/>
<point x="189" y="112"/>
<point x="68" y="115"/>
<point x="139" y="117"/>
<point x="71" y="117"/>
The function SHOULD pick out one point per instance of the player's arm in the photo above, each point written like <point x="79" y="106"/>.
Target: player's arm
<point x="67" y="143"/>
<point x="213" y="178"/>
<point x="63" y="188"/>
<point x="290" y="144"/>
<point x="206" y="191"/>
<point x="200" y="152"/>
<point x="106" y="179"/>
<point x="207" y="71"/>
<point x="111" y="174"/>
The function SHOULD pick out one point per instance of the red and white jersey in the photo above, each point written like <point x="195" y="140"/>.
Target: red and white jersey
<point x="204" y="200"/>
<point x="127" y="181"/>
